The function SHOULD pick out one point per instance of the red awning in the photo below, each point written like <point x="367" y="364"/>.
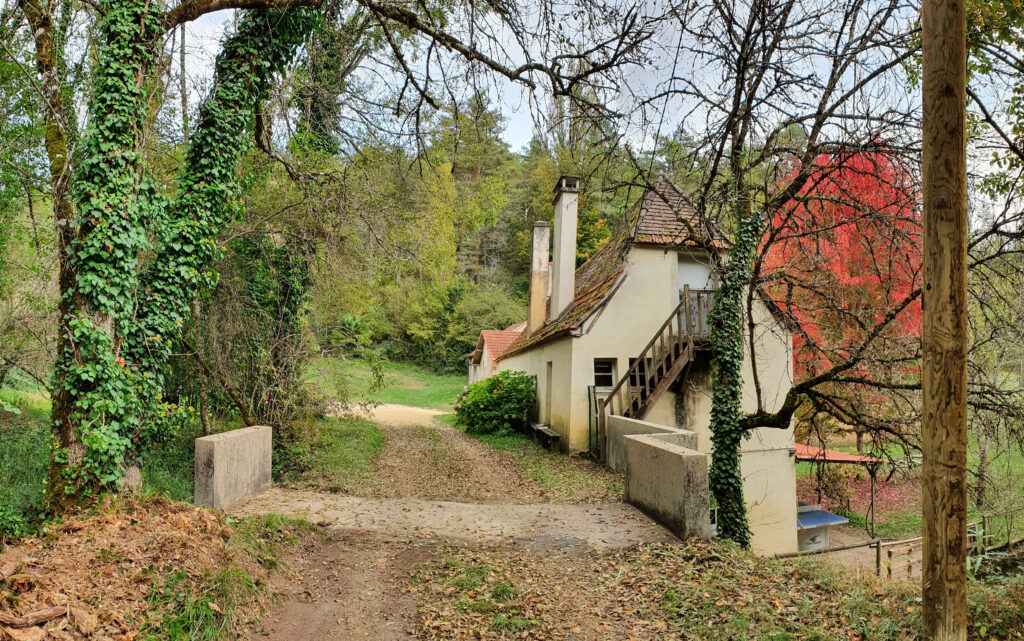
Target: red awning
<point x="811" y="453"/>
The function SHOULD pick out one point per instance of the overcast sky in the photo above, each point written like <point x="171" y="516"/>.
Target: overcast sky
<point x="202" y="43"/>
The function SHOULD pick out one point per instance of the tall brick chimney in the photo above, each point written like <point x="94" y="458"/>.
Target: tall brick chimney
<point x="563" y="269"/>
<point x="540" y="277"/>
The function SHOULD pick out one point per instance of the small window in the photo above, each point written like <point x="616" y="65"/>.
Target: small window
<point x="604" y="372"/>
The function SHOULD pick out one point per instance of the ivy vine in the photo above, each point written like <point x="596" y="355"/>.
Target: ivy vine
<point x="727" y="431"/>
<point x="122" y="326"/>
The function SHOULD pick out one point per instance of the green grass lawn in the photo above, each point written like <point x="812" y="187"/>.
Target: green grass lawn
<point x="403" y="383"/>
<point x="339" y="455"/>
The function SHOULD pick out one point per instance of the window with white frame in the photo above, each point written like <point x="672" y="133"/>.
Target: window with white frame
<point x="604" y="372"/>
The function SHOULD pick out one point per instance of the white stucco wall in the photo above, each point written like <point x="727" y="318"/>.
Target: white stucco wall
<point x="695" y="270"/>
<point x="483" y="369"/>
<point x="558" y="400"/>
<point x="622" y="329"/>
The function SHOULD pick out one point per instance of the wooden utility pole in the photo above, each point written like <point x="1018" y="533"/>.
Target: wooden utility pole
<point x="944" y="375"/>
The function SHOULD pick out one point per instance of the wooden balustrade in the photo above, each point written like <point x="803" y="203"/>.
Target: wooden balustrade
<point x="670" y="349"/>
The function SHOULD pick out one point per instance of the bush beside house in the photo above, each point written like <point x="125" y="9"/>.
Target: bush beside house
<point x="496" y="404"/>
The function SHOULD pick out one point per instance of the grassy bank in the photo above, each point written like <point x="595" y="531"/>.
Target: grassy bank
<point x="402" y="383"/>
<point x="340" y="452"/>
<point x="567" y="479"/>
<point x="690" y="590"/>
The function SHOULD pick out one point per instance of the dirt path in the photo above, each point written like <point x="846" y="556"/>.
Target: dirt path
<point x="350" y="587"/>
<point x="609" y="525"/>
<point x="425" y="459"/>
<point x="435" y="489"/>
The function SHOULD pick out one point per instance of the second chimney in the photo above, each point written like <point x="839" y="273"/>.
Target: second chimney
<point x="540" y="277"/>
<point x="564" y="261"/>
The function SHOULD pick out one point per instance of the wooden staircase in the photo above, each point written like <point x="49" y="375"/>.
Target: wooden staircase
<point x="665" y="360"/>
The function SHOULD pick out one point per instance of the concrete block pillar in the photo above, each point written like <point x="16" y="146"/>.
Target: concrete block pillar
<point x="231" y="466"/>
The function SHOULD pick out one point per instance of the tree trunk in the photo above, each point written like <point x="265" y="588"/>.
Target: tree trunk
<point x="183" y="88"/>
<point x="944" y="346"/>
<point x="40" y="19"/>
<point x="980" y="487"/>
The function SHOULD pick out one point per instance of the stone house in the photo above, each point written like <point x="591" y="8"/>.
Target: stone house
<point x="626" y="334"/>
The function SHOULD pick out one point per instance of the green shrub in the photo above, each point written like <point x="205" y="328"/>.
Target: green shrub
<point x="12" y="525"/>
<point x="497" y="404"/>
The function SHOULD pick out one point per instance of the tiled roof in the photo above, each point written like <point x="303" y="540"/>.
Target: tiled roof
<point x="498" y="341"/>
<point x="649" y="221"/>
<point x="668" y="218"/>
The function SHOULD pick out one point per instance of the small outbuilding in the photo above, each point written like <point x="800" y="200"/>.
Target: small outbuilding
<point x="491" y="345"/>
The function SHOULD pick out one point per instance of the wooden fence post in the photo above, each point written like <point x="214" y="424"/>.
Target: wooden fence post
<point x="878" y="558"/>
<point x="944" y="371"/>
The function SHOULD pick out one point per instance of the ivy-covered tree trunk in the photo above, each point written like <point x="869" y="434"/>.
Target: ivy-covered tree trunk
<point x="119" y="327"/>
<point x="58" y="137"/>
<point x="95" y="410"/>
<point x="727" y="432"/>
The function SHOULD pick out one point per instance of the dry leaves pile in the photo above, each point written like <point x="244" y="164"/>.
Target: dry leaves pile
<point x="89" y="578"/>
<point x="654" y="592"/>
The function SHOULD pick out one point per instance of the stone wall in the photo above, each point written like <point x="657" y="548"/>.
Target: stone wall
<point x="619" y="427"/>
<point x="669" y="483"/>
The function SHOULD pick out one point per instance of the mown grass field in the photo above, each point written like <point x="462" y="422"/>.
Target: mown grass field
<point x="402" y="383"/>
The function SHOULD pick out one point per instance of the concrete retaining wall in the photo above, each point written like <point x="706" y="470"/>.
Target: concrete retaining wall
<point x="232" y="465"/>
<point x="666" y="476"/>
<point x="669" y="482"/>
<point x="619" y="427"/>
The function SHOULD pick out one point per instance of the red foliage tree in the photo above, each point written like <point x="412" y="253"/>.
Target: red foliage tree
<point x="842" y="261"/>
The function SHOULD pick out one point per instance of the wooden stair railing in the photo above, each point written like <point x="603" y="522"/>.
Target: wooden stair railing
<point x="665" y="358"/>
